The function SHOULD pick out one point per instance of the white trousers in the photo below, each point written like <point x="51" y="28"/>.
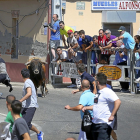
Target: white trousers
<point x="82" y="135"/>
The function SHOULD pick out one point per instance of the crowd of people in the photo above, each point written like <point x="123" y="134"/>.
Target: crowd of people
<point x="21" y="112"/>
<point x="77" y="43"/>
<point x="101" y="102"/>
<point x="98" y="97"/>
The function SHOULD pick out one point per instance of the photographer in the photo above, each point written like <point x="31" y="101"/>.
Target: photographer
<point x="55" y="35"/>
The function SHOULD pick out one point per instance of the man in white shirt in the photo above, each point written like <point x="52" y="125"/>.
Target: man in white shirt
<point x="106" y="105"/>
<point x="62" y="55"/>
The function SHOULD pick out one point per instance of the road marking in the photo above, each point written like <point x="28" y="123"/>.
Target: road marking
<point x="3" y="114"/>
<point x="37" y="126"/>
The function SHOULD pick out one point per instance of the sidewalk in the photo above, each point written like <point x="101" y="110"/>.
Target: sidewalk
<point x="114" y="83"/>
<point x="2" y="118"/>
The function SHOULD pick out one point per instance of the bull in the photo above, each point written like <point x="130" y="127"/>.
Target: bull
<point x="37" y="75"/>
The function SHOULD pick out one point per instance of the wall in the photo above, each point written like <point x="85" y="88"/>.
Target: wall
<point x="32" y="40"/>
<point x="136" y="25"/>
<point x="90" y="21"/>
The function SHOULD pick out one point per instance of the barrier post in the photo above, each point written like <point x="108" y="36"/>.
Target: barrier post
<point x="131" y="73"/>
<point x="88" y="61"/>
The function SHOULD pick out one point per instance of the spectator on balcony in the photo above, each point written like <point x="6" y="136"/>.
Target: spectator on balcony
<point x="137" y="54"/>
<point x="63" y="31"/>
<point x="128" y="41"/>
<point x="55" y="36"/>
<point x="95" y="44"/>
<point x="62" y="55"/>
<point x="102" y="42"/>
<point x="72" y="44"/>
<point x="87" y="43"/>
<point x="121" y="59"/>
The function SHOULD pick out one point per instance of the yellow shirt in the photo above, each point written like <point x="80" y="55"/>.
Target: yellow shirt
<point x="64" y="32"/>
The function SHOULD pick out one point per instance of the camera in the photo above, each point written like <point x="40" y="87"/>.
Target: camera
<point x="48" y="25"/>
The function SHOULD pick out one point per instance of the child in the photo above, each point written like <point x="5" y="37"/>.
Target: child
<point x="9" y="118"/>
<point x="20" y="130"/>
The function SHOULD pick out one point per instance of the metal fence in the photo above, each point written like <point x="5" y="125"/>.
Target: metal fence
<point x="69" y="70"/>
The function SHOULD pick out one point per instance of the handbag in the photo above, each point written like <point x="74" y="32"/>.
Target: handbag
<point x="86" y="125"/>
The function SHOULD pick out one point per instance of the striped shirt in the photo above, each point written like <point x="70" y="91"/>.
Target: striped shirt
<point x="103" y="42"/>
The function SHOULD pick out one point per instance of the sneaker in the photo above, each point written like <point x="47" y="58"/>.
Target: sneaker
<point x="54" y="60"/>
<point x="124" y="90"/>
<point x="40" y="135"/>
<point x="71" y="86"/>
<point x="138" y="80"/>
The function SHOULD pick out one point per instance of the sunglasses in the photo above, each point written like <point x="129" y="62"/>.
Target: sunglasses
<point x="106" y="33"/>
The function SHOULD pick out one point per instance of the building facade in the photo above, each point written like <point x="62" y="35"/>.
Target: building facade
<point x="92" y="15"/>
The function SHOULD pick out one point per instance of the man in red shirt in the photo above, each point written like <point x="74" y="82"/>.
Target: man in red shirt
<point x="102" y="42"/>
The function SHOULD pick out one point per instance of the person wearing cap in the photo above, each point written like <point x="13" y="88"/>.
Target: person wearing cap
<point x="73" y="47"/>
<point x="63" y="31"/>
<point x="121" y="59"/>
<point x="72" y="43"/>
<point x="128" y="41"/>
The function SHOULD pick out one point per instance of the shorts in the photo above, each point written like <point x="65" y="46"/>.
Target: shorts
<point x="2" y="77"/>
<point x="105" y="57"/>
<point x="28" y="114"/>
<point x="54" y="44"/>
<point x="101" y="131"/>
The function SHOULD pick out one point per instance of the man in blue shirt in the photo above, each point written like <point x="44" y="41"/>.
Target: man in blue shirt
<point x="128" y="41"/>
<point x="86" y="99"/>
<point x="87" y="43"/>
<point x="55" y="35"/>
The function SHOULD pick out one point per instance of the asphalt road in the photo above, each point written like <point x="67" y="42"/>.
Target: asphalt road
<point x="59" y="124"/>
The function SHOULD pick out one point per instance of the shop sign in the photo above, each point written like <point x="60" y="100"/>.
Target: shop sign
<point x="80" y="5"/>
<point x="112" y="72"/>
<point x="115" y="5"/>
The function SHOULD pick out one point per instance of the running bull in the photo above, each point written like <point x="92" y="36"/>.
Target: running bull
<point x="4" y="78"/>
<point x="37" y="74"/>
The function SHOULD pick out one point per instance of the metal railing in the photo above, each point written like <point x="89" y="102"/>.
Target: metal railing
<point x="131" y="69"/>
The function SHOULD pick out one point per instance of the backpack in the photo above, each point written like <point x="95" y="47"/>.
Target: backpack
<point x="86" y="125"/>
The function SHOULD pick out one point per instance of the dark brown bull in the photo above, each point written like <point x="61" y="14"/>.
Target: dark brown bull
<point x="37" y="75"/>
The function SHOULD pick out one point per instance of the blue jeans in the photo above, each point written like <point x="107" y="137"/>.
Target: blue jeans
<point x="93" y="57"/>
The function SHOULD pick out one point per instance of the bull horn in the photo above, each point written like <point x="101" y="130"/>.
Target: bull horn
<point x="27" y="63"/>
<point x="45" y="62"/>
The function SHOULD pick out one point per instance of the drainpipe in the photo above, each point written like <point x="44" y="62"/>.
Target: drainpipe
<point x="48" y="39"/>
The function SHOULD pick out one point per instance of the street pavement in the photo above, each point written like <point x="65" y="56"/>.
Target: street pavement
<point x="59" y="124"/>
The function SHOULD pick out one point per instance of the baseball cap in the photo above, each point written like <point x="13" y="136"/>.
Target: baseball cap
<point x="69" y="31"/>
<point x="122" y="28"/>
